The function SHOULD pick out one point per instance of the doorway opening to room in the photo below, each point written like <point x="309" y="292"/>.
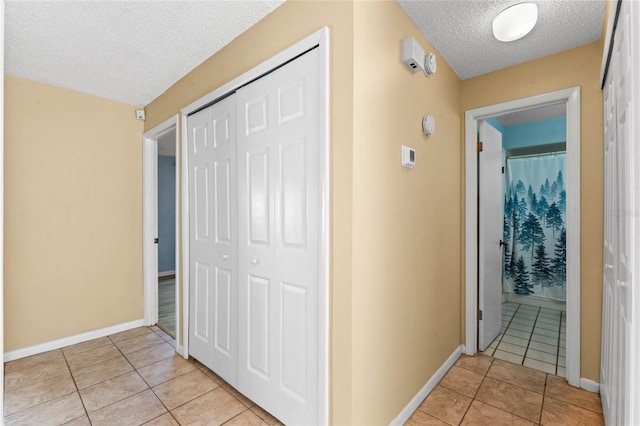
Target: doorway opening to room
<point x="523" y="242"/>
<point x="160" y="225"/>
<point x="166" y="213"/>
<point x="532" y="212"/>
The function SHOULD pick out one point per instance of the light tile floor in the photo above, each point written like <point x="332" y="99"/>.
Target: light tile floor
<point x="532" y="336"/>
<point x="130" y="378"/>
<point x="482" y="390"/>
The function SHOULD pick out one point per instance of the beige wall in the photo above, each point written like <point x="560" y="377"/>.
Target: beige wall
<point x="73" y="213"/>
<point x="406" y="223"/>
<point x="287" y="25"/>
<point x="574" y="67"/>
<point x="395" y="234"/>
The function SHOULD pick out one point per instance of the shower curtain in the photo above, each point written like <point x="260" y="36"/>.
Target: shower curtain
<point x="534" y="226"/>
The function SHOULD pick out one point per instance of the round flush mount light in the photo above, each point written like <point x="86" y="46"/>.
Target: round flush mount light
<point x="515" y="22"/>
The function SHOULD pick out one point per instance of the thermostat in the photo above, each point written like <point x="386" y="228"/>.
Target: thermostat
<point x="408" y="157"/>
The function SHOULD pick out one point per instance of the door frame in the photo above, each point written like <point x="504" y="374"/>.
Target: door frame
<point x="571" y="97"/>
<point x="150" y="220"/>
<point x="319" y="40"/>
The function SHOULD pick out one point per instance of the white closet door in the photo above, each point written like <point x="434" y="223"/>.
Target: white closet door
<point x="607" y="378"/>
<point x="622" y="80"/>
<point x="200" y="235"/>
<point x="278" y="153"/>
<point x="618" y="181"/>
<point x="213" y="201"/>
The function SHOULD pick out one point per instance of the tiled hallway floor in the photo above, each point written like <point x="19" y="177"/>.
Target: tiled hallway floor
<point x="533" y="337"/>
<point x="482" y="390"/>
<point x="130" y="378"/>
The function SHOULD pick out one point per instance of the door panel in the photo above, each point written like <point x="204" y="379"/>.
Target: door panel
<point x="259" y="327"/>
<point x="200" y="244"/>
<point x="490" y="234"/>
<point x="213" y="206"/>
<point x="259" y="195"/>
<point x="294" y="197"/>
<point x="279" y="240"/>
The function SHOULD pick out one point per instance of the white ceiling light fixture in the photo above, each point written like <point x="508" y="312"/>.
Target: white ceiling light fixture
<point x="515" y="22"/>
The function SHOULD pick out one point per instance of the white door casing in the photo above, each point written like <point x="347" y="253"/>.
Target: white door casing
<point x="150" y="222"/>
<point x="490" y="235"/>
<point x="279" y="205"/>
<point x="571" y="97"/>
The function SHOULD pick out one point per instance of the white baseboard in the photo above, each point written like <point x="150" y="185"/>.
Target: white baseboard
<point x="427" y="388"/>
<point x="71" y="340"/>
<point x="590" y="385"/>
<point x="166" y="273"/>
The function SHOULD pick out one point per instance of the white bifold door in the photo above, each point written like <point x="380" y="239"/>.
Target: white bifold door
<point x="619" y="117"/>
<point x="254" y="196"/>
<point x="213" y="239"/>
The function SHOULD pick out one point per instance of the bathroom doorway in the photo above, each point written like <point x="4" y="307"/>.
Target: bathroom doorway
<point x="480" y="296"/>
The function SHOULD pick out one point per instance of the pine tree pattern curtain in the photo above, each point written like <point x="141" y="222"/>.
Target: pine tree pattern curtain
<point x="535" y="199"/>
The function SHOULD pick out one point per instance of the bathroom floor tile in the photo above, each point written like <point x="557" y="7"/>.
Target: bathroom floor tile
<point x="508" y="356"/>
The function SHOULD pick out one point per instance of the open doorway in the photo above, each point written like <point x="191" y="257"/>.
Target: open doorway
<point x="481" y="298"/>
<point x="530" y="223"/>
<point x="160" y="225"/>
<point x="166" y="205"/>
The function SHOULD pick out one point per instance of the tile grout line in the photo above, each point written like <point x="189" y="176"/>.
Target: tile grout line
<point x="558" y="347"/>
<point x="186" y="402"/>
<point x="505" y="329"/>
<point x="531" y="337"/>
<point x="86" y="412"/>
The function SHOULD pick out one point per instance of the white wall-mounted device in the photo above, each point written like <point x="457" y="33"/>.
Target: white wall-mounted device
<point x="430" y="64"/>
<point x="408" y="157"/>
<point x="412" y="54"/>
<point x="140" y="114"/>
<point x="428" y="125"/>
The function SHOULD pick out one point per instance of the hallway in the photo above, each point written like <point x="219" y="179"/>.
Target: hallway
<point x="130" y="378"/>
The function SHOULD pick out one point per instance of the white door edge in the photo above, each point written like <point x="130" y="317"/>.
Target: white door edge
<point x="571" y="97"/>
<point x="319" y="38"/>
<point x="150" y="219"/>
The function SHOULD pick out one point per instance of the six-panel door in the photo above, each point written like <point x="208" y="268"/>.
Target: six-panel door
<point x="279" y="208"/>
<point x="254" y="239"/>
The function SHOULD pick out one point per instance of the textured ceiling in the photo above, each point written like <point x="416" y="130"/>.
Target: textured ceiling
<point x="129" y="51"/>
<point x="461" y="31"/>
<point x="132" y="51"/>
